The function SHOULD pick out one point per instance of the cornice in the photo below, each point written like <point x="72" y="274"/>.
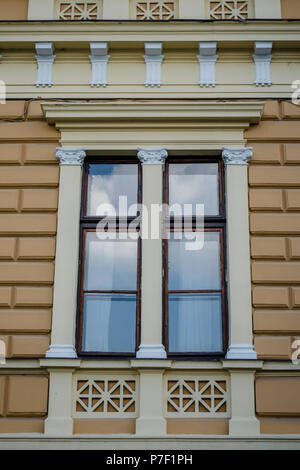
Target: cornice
<point x="120" y="31"/>
<point x="205" y="112"/>
<point x="177" y="126"/>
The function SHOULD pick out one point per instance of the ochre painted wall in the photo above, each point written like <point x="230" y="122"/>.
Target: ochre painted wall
<point x="29" y="175"/>
<point x="290" y="8"/>
<point x="23" y="403"/>
<point x="13" y="10"/>
<point x="274" y="200"/>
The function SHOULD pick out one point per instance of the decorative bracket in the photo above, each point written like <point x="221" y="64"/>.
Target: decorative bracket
<point x="99" y="59"/>
<point x="152" y="156"/>
<point x="262" y="59"/>
<point x="153" y="58"/>
<point x="45" y="59"/>
<point x="70" y="156"/>
<point x="207" y="59"/>
<point x="237" y="155"/>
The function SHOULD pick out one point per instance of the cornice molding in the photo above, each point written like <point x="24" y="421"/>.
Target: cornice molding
<point x="205" y="112"/>
<point x="70" y="156"/>
<point x="181" y="125"/>
<point x="179" y="31"/>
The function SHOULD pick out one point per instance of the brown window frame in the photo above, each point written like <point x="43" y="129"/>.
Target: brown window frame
<point x="89" y="224"/>
<point x="211" y="223"/>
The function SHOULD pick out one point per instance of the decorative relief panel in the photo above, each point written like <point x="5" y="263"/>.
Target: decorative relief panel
<point x="197" y="396"/>
<point x="157" y="10"/>
<point x="79" y="10"/>
<point x="102" y="396"/>
<point x="229" y="10"/>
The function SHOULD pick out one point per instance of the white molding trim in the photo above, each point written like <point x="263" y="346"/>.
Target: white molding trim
<point x="151" y="351"/>
<point x="153" y="59"/>
<point x="61" y="350"/>
<point x="152" y="156"/>
<point x="207" y="59"/>
<point x="237" y="155"/>
<point x="186" y="442"/>
<point x="99" y="59"/>
<point x="262" y="59"/>
<point x="70" y="156"/>
<point x="241" y="351"/>
<point x="45" y="59"/>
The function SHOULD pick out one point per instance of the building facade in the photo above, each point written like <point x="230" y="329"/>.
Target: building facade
<point x="140" y="339"/>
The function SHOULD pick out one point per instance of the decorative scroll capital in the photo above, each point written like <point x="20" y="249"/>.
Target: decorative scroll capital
<point x="152" y="156"/>
<point x="236" y="155"/>
<point x="70" y="156"/>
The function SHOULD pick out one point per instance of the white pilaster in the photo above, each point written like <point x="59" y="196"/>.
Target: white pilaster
<point x="99" y="59"/>
<point x="269" y="9"/>
<point x="59" y="421"/>
<point x="239" y="279"/>
<point x="151" y="421"/>
<point x="41" y="9"/>
<point x="45" y="59"/>
<point x="151" y="346"/>
<point x="116" y="9"/>
<point x="243" y="420"/>
<point x="262" y="59"/>
<point x="67" y="250"/>
<point x="153" y="58"/>
<point x="2" y="89"/>
<point x="207" y="59"/>
<point x="191" y="9"/>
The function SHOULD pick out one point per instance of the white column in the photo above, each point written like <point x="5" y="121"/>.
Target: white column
<point x="59" y="421"/>
<point x="243" y="420"/>
<point x="238" y="251"/>
<point x="151" y="313"/>
<point x="67" y="250"/>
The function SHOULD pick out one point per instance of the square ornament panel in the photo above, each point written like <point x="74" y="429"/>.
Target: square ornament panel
<point x="230" y="9"/>
<point x="157" y="10"/>
<point x="197" y="396"/>
<point x="102" y="396"/>
<point x="79" y="10"/>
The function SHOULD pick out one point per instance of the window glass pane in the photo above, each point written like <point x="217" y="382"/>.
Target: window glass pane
<point x="106" y="183"/>
<point x="195" y="183"/>
<point x="110" y="264"/>
<point x="194" y="269"/>
<point x="195" y="323"/>
<point x="109" y="322"/>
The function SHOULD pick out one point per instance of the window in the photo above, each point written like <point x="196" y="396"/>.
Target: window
<point x="110" y="274"/>
<point x="194" y="262"/>
<point x="194" y="275"/>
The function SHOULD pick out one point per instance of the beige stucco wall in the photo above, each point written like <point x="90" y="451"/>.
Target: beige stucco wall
<point x="28" y="195"/>
<point x="290" y="9"/>
<point x="274" y="201"/>
<point x="13" y="10"/>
